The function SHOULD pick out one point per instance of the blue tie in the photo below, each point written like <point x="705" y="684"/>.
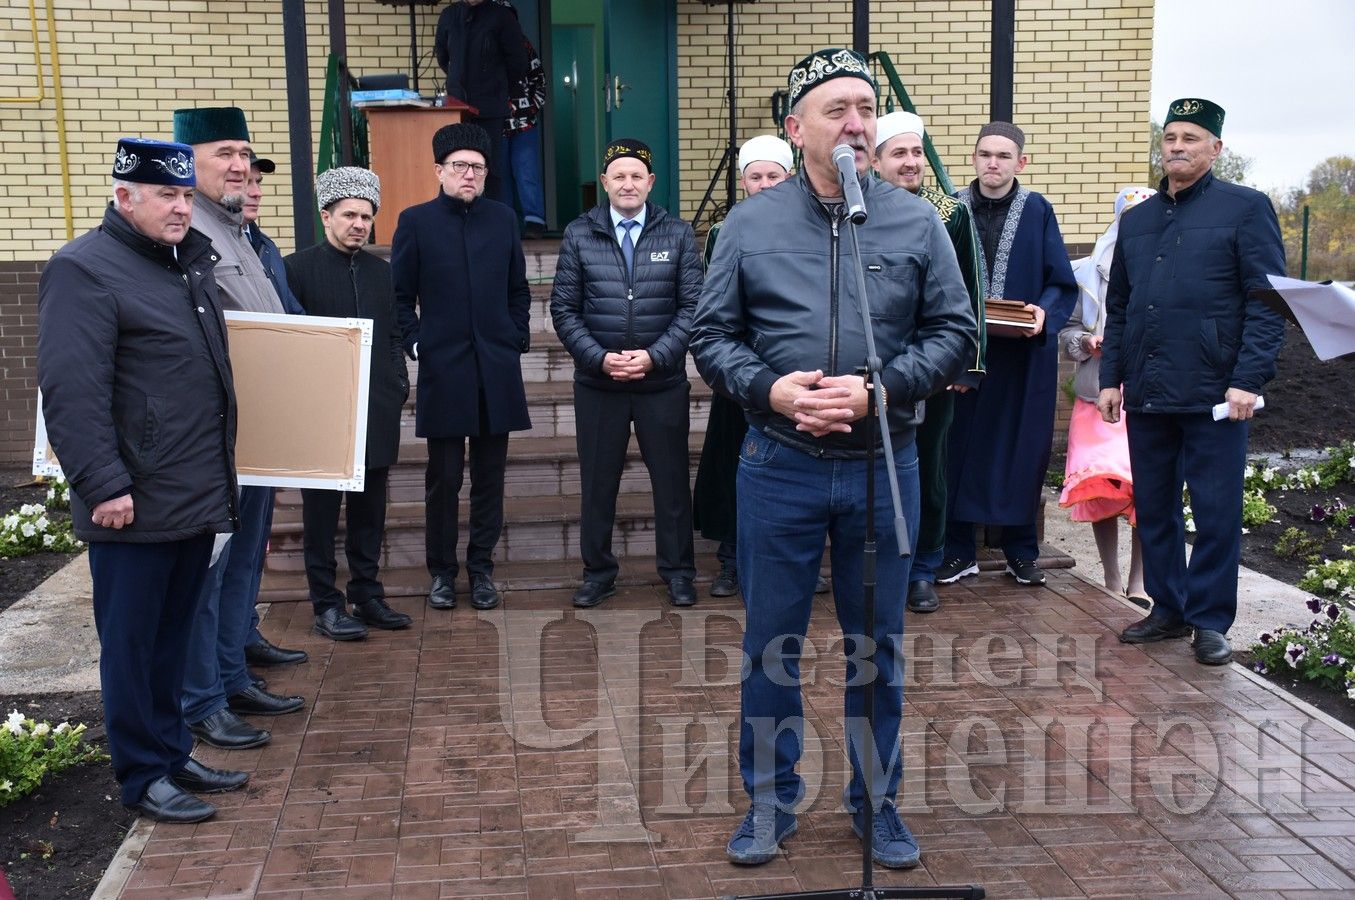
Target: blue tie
<point x="628" y="245"/>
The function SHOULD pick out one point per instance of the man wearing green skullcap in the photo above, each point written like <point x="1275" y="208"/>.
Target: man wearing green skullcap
<point x="1184" y="333"/>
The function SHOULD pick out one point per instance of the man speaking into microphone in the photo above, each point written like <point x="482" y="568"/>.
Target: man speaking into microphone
<point x="779" y="330"/>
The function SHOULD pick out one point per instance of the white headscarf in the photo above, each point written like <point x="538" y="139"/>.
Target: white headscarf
<point x="1093" y="272"/>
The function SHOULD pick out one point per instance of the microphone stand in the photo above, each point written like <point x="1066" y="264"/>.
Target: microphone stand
<point x="875" y="417"/>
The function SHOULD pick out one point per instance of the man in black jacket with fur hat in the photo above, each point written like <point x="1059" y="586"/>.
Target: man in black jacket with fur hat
<point x="339" y="278"/>
<point x="464" y="307"/>
<point x="625" y="291"/>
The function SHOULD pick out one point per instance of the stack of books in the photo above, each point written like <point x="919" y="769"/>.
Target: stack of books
<point x="1011" y="313"/>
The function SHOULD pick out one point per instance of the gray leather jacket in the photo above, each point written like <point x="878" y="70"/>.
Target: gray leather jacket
<point x="780" y="296"/>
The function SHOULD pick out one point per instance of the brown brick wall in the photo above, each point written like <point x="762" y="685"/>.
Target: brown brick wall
<point x="18" y="359"/>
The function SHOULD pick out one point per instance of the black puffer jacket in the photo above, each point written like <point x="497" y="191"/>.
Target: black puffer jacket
<point x="136" y="384"/>
<point x="598" y="309"/>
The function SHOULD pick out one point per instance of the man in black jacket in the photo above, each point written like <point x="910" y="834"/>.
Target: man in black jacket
<point x="464" y="305"/>
<point x="140" y="409"/>
<point x="626" y="287"/>
<point x="483" y="51"/>
<point x="339" y="278"/>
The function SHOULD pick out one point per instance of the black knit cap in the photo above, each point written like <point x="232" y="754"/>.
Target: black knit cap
<point x="624" y="147"/>
<point x="461" y="136"/>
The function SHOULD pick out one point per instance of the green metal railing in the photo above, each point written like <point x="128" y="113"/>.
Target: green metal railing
<point x="891" y="93"/>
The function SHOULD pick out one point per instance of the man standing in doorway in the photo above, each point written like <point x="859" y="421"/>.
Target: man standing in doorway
<point x="626" y="288"/>
<point x="1184" y="333"/>
<point x="901" y="160"/>
<point x="465" y="310"/>
<point x="1003" y="430"/>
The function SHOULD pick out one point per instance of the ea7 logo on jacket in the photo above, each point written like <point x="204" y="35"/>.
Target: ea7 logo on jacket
<point x="659" y="256"/>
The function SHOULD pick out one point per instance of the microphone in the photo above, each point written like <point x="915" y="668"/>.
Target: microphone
<point x="844" y="157"/>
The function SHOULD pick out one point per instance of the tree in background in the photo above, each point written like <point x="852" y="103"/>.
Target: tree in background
<point x="1229" y="166"/>
<point x="1330" y="198"/>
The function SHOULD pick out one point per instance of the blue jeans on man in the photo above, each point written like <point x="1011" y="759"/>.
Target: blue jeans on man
<point x="520" y="152"/>
<point x="788" y="502"/>
<point x="216" y="658"/>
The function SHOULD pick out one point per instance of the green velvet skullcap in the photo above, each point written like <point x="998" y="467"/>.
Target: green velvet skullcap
<point x="203" y="125"/>
<point x="1197" y="111"/>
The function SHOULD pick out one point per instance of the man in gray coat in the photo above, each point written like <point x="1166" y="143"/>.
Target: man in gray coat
<point x="217" y="686"/>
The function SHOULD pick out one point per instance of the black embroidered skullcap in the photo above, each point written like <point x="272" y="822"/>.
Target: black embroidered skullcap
<point x="825" y="65"/>
<point x="154" y="162"/>
<point x="627" y="147"/>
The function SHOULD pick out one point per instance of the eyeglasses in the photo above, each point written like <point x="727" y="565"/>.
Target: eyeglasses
<point x="459" y="166"/>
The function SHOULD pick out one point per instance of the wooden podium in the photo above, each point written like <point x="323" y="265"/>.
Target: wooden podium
<point x="400" y="140"/>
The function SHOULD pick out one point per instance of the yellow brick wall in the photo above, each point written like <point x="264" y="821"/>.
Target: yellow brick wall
<point x="1081" y="90"/>
<point x="1082" y="79"/>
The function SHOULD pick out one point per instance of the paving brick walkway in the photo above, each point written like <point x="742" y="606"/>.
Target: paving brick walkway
<point x="534" y="751"/>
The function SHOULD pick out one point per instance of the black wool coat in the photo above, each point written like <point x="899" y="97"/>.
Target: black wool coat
<point x="483" y="52"/>
<point x="329" y="282"/>
<point x="462" y="295"/>
<point x="136" y="382"/>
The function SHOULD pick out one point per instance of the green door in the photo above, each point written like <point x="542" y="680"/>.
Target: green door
<point x="640" y="86"/>
<point x="573" y="104"/>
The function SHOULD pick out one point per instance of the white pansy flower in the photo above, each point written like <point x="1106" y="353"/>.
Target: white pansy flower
<point x="41" y="523"/>
<point x="63" y="728"/>
<point x="27" y="529"/>
<point x="49" y="539"/>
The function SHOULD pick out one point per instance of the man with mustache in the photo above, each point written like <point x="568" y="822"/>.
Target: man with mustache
<point x="217" y="685"/>
<point x="901" y="160"/>
<point x="1184" y="333"/>
<point x="1003" y="431"/>
<point x="779" y="330"/>
<point x="625" y="290"/>
<point x="339" y="278"/>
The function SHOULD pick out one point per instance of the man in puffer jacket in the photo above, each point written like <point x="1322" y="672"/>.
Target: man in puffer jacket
<point x="626" y="287"/>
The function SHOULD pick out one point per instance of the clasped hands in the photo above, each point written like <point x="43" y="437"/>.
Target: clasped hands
<point x="820" y="404"/>
<point x="627" y="365"/>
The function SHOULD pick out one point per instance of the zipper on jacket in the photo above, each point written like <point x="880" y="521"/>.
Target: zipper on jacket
<point x="832" y="298"/>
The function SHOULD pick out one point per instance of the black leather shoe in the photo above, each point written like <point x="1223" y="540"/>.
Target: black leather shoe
<point x="922" y="597"/>
<point x="165" y="801"/>
<point x="1211" y="647"/>
<point x="377" y="613"/>
<point x="593" y="592"/>
<point x="726" y="584"/>
<point x="199" y="779"/>
<point x="442" y="595"/>
<point x="256" y="679"/>
<point x="254" y="702"/>
<point x="338" y="625"/>
<point x="262" y="653"/>
<point x="682" y="592"/>
<point x="484" y="593"/>
<point x="1154" y="627"/>
<point x="228" y="731"/>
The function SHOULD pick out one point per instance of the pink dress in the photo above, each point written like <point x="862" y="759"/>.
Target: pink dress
<point x="1097" y="484"/>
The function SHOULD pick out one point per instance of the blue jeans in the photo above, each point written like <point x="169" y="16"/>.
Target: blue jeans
<point x="788" y="502"/>
<point x="216" y="654"/>
<point x="521" y="154"/>
<point x="1167" y="450"/>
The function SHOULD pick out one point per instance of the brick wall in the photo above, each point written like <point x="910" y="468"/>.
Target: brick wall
<point x="18" y="359"/>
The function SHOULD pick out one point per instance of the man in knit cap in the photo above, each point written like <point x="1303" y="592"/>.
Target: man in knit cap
<point x="217" y="685"/>
<point x="339" y="278"/>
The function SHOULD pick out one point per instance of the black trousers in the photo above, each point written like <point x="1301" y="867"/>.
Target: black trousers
<point x="442" y="485"/>
<point x="145" y="598"/>
<point x="602" y="424"/>
<point x="365" y="529"/>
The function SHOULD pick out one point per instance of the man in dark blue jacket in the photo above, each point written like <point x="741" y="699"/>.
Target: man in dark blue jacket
<point x="1184" y="334"/>
<point x="464" y="306"/>
<point x="140" y="409"/>
<point x="625" y="292"/>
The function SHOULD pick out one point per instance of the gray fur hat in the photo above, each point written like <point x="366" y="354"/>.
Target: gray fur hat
<point x="344" y="182"/>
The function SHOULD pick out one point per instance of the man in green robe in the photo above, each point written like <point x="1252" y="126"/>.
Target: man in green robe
<point x="901" y="161"/>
